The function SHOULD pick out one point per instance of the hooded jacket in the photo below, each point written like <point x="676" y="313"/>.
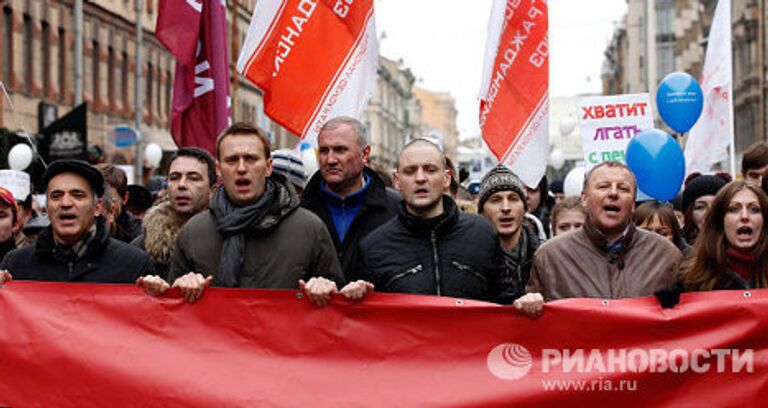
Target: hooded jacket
<point x="379" y="206"/>
<point x="454" y="254"/>
<point x="289" y="243"/>
<point x="106" y="260"/>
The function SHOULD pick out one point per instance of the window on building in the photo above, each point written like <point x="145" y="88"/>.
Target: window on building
<point x="149" y="82"/>
<point x="159" y="91"/>
<point x="45" y="56"/>
<point x="62" y="63"/>
<point x="95" y="77"/>
<point x="665" y="59"/>
<point x="7" y="46"/>
<point x="744" y="126"/>
<point x="665" y="17"/>
<point x="124" y="81"/>
<point x="111" y="76"/>
<point x="27" y="53"/>
<point x="168" y="93"/>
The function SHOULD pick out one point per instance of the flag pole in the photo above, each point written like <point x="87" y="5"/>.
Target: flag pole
<point x="138" y="157"/>
<point x="732" y="144"/>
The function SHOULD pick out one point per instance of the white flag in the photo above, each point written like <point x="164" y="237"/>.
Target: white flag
<point x="514" y="99"/>
<point x="709" y="139"/>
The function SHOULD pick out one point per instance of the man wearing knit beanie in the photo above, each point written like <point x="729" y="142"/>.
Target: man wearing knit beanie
<point x="502" y="201"/>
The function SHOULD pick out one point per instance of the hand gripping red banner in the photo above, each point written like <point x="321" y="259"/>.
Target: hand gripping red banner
<point x="111" y="345"/>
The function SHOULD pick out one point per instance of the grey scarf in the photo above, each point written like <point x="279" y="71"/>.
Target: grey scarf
<point x="233" y="222"/>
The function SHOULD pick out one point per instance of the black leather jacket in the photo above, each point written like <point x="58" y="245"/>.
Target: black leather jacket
<point x="454" y="254"/>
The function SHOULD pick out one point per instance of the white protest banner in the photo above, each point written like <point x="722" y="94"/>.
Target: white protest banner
<point x="608" y="123"/>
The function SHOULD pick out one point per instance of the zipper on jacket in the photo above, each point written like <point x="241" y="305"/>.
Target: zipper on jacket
<point x="70" y="265"/>
<point x="467" y="269"/>
<point x="437" y="262"/>
<point x="412" y="271"/>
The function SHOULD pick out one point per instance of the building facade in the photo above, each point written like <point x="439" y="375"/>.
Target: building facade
<point x="438" y="118"/>
<point x="657" y="37"/>
<point x="393" y="114"/>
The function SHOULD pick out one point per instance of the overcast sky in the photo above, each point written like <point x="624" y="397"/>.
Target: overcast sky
<point x="443" y="42"/>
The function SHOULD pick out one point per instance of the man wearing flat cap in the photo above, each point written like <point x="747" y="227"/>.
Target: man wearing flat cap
<point x="76" y="247"/>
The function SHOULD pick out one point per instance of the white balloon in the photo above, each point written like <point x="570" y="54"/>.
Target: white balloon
<point x="574" y="181"/>
<point x="153" y="153"/>
<point x="20" y="157"/>
<point x="556" y="159"/>
<point x="566" y="125"/>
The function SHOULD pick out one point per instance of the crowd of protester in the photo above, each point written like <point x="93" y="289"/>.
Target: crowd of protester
<point x="252" y="218"/>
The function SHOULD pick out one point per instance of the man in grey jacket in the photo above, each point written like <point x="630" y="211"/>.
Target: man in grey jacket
<point x="255" y="234"/>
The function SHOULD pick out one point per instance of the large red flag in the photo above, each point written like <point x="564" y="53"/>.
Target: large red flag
<point x="195" y="31"/>
<point x="313" y="60"/>
<point x="514" y="98"/>
<point x="112" y="345"/>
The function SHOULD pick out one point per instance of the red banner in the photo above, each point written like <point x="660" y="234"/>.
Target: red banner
<point x="195" y="31"/>
<point x="313" y="60"/>
<point x="111" y="345"/>
<point x="514" y="97"/>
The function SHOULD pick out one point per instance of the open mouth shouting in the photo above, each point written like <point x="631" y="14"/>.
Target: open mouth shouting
<point x="506" y="221"/>
<point x="421" y="192"/>
<point x="67" y="219"/>
<point x="242" y="184"/>
<point x="612" y="209"/>
<point x="744" y="233"/>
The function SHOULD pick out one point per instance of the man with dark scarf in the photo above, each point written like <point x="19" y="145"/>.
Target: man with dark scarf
<point x="76" y="247"/>
<point x="608" y="257"/>
<point x="254" y="235"/>
<point x="502" y="201"/>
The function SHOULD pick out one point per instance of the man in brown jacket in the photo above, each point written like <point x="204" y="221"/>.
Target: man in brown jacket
<point x="608" y="257"/>
<point x="255" y="234"/>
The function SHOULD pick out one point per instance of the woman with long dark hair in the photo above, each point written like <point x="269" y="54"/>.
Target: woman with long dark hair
<point x="731" y="251"/>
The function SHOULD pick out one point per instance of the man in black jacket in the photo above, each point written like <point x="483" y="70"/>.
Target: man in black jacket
<point x="77" y="246"/>
<point x="349" y="197"/>
<point x="431" y="247"/>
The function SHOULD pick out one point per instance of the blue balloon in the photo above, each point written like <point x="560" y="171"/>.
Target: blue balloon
<point x="680" y="101"/>
<point x="658" y="164"/>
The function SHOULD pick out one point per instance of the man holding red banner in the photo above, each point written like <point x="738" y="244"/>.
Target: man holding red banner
<point x="608" y="257"/>
<point x="431" y="248"/>
<point x="255" y="234"/>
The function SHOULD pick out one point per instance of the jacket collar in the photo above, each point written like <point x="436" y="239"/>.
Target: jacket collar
<point x="440" y="223"/>
<point x="375" y="193"/>
<point x="614" y="250"/>
<point x="45" y="245"/>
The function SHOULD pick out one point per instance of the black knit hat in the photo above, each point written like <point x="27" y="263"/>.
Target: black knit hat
<point x="556" y="186"/>
<point x="701" y="186"/>
<point x="500" y="178"/>
<point x="79" y="167"/>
